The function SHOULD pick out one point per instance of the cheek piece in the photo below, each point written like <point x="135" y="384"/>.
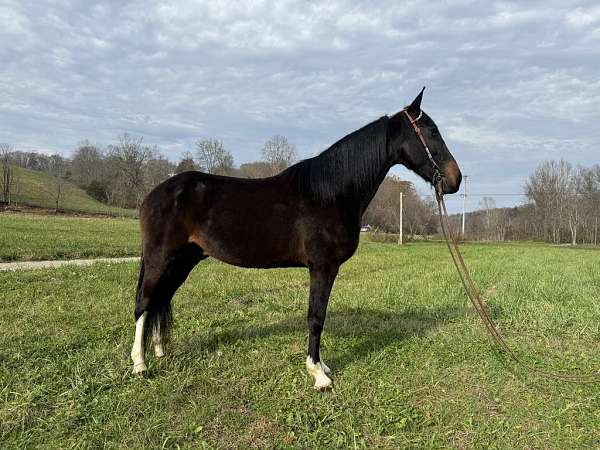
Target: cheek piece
<point x="436" y="180"/>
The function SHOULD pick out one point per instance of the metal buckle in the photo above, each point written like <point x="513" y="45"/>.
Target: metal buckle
<point x="437" y="177"/>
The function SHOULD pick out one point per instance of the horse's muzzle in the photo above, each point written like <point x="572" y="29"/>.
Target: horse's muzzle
<point x="451" y="178"/>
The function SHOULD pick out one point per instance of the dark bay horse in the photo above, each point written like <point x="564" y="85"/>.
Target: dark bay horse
<point x="309" y="215"/>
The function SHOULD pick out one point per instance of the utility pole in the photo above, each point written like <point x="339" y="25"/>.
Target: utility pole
<point x="596" y="232"/>
<point x="400" y="234"/>
<point x="464" y="205"/>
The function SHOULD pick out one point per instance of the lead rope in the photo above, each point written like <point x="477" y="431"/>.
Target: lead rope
<point x="475" y="297"/>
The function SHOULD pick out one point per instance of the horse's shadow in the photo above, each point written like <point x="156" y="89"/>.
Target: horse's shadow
<point x="366" y="330"/>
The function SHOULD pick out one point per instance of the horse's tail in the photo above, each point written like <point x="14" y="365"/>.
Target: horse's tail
<point x="158" y="314"/>
<point x="138" y="291"/>
<point x="158" y="324"/>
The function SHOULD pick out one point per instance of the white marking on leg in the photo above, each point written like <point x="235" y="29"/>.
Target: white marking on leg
<point x="322" y="381"/>
<point x="159" y="350"/>
<point x="137" y="352"/>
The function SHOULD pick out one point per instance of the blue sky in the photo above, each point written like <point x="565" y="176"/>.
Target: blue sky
<point x="509" y="84"/>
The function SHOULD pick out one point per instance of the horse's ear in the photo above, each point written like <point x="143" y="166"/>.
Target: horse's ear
<point x="415" y="107"/>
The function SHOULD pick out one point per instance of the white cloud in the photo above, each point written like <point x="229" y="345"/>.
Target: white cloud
<point x="12" y="21"/>
<point x="583" y="16"/>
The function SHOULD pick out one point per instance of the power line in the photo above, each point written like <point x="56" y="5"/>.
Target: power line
<point x="460" y="196"/>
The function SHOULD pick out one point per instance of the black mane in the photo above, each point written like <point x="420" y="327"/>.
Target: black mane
<point x="349" y="166"/>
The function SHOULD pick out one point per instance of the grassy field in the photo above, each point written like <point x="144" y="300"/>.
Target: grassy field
<point x="36" y="188"/>
<point x="412" y="365"/>
<point x="36" y="236"/>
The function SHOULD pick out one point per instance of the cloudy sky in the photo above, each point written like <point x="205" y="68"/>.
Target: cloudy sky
<point x="509" y="84"/>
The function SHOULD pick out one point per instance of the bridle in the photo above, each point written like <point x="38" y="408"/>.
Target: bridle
<point x="467" y="281"/>
<point x="437" y="172"/>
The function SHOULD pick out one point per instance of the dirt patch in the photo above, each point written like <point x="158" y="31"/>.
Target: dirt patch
<point x="31" y="265"/>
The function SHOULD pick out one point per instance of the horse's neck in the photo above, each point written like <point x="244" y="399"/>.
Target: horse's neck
<point x="366" y="194"/>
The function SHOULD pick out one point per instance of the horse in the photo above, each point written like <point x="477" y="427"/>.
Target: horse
<point x="309" y="215"/>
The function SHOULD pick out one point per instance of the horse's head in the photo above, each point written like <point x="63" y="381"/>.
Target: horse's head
<point x="417" y="143"/>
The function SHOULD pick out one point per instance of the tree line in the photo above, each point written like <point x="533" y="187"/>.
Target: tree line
<point x="121" y="174"/>
<point x="562" y="206"/>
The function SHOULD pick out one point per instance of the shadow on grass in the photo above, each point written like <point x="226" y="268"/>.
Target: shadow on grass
<point x="369" y="330"/>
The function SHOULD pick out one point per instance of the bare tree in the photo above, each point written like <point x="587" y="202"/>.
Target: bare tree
<point x="87" y="164"/>
<point x="128" y="157"/>
<point x="213" y="158"/>
<point x="278" y="153"/>
<point x="590" y="203"/>
<point x="503" y="223"/>
<point x="57" y="170"/>
<point x="574" y="204"/>
<point x="7" y="180"/>
<point x="548" y="189"/>
<point x="560" y="194"/>
<point x="488" y="206"/>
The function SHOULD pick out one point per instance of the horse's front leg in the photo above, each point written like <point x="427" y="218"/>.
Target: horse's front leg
<point x="321" y="281"/>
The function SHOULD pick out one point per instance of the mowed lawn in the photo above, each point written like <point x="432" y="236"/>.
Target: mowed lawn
<point x="25" y="237"/>
<point x="413" y="366"/>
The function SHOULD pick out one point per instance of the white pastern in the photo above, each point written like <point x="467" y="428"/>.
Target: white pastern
<point x="322" y="381"/>
<point x="137" y="352"/>
<point x="159" y="350"/>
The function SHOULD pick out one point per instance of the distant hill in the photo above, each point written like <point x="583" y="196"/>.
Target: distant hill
<point x="39" y="189"/>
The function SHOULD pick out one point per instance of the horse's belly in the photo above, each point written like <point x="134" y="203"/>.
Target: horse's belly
<point x="260" y="245"/>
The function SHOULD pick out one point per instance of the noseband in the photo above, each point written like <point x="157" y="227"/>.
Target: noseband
<point x="437" y="172"/>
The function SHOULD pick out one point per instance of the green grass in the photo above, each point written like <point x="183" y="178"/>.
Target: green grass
<point x="36" y="236"/>
<point x="38" y="189"/>
<point x="412" y="364"/>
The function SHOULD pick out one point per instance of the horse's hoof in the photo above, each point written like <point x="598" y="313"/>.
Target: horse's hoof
<point x="159" y="354"/>
<point x="317" y="370"/>
<point x="139" y="369"/>
<point x="323" y="384"/>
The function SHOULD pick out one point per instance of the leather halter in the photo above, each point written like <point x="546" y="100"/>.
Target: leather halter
<point x="437" y="172"/>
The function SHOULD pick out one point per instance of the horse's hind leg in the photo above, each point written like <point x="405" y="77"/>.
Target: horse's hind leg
<point x="183" y="261"/>
<point x="137" y="352"/>
<point x="161" y="274"/>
